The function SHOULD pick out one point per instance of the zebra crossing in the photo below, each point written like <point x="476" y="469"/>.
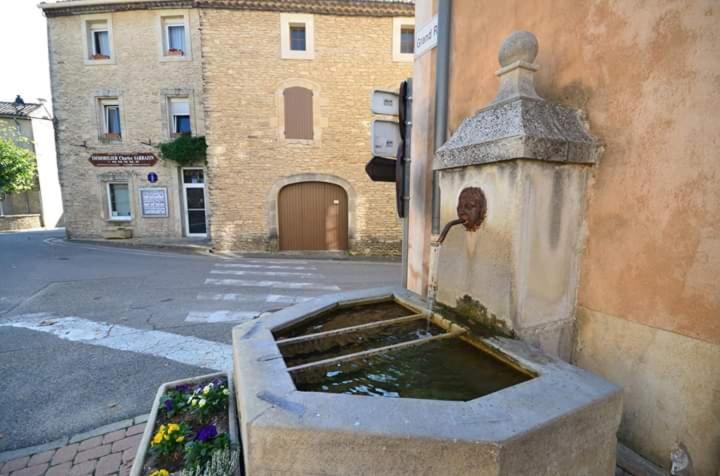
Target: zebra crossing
<point x="252" y="288"/>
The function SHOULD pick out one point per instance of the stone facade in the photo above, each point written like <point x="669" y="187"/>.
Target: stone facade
<point x="142" y="82"/>
<point x="248" y="155"/>
<point x="235" y="79"/>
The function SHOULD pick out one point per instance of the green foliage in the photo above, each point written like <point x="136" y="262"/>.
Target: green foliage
<point x="199" y="453"/>
<point x="184" y="149"/>
<point x="209" y="400"/>
<point x="222" y="463"/>
<point x="17" y="167"/>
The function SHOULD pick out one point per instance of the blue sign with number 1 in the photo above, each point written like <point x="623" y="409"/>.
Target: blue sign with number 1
<point x="152" y="177"/>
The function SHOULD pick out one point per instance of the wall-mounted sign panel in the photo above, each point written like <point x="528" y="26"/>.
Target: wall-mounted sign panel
<point x="154" y="202"/>
<point x="385" y="139"/>
<point x="385" y="102"/>
<point x="123" y="160"/>
<point x="426" y="38"/>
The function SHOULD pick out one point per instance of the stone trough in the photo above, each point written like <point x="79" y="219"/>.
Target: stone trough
<point x="558" y="419"/>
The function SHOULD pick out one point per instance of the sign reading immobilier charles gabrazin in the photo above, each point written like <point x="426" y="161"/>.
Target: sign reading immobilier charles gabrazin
<point x="143" y="159"/>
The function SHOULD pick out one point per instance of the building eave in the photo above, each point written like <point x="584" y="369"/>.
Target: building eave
<point x="372" y="8"/>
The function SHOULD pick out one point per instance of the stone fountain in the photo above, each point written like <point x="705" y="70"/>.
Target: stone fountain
<point x="374" y="382"/>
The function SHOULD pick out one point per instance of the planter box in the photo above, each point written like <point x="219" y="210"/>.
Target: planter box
<point x="139" y="460"/>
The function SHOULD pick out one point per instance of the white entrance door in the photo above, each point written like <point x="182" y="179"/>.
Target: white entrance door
<point x="194" y="201"/>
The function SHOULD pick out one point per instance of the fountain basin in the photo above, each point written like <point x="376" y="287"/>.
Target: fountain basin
<point x="557" y="419"/>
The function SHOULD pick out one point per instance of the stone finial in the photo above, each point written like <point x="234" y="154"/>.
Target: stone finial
<point x="517" y="72"/>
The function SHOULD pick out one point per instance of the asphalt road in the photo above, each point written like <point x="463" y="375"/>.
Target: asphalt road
<point x="88" y="332"/>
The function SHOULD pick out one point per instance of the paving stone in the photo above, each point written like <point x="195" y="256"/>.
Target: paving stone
<point x="90" y="443"/>
<point x="41" y="458"/>
<point x="37" y="470"/>
<point x="93" y="453"/>
<point x="59" y="470"/>
<point x="114" y="436"/>
<point x="129" y="455"/>
<point x="15" y="464"/>
<point x="65" y="454"/>
<point x="142" y="418"/>
<point x="135" y="430"/>
<point x="108" y="464"/>
<point x="131" y="442"/>
<point x="83" y="468"/>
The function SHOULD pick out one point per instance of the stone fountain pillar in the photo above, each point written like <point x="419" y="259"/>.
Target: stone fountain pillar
<point x="532" y="160"/>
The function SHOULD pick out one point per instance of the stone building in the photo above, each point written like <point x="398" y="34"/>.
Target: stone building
<point x="281" y="90"/>
<point x="30" y="125"/>
<point x="621" y="268"/>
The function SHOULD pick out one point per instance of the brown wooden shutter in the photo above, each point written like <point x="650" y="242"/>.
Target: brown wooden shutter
<point x="298" y="113"/>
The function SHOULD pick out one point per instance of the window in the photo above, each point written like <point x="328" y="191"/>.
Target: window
<point x="119" y="201"/>
<point x="407" y="40"/>
<point x="174" y="36"/>
<point x="179" y="116"/>
<point x="403" y="41"/>
<point x="98" y="40"/>
<point x="298" y="107"/>
<point x="296" y="36"/>
<point x="111" y="124"/>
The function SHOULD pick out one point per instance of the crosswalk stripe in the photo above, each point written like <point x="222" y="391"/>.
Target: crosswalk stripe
<point x="275" y="266"/>
<point x="279" y="261"/>
<point x="271" y="284"/>
<point x="221" y="316"/>
<point x="238" y="297"/>
<point x="265" y="273"/>
<point x="184" y="349"/>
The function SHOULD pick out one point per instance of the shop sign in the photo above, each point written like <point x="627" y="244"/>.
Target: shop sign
<point x="153" y="202"/>
<point x="123" y="160"/>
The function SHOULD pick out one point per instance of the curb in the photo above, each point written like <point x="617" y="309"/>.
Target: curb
<point x="66" y="440"/>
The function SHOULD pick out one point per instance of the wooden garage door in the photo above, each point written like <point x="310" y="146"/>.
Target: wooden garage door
<point x="313" y="216"/>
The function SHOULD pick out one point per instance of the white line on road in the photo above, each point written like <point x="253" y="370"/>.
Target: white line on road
<point x="271" y="284"/>
<point x="266" y="273"/>
<point x="279" y="261"/>
<point x="237" y="297"/>
<point x="276" y="266"/>
<point x="221" y="316"/>
<point x="184" y="349"/>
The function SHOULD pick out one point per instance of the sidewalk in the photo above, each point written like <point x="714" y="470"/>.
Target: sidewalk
<point x="105" y="451"/>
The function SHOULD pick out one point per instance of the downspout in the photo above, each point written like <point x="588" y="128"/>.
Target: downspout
<point x="442" y="74"/>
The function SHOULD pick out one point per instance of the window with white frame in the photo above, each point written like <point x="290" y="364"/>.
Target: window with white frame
<point x="175" y="36"/>
<point x="403" y="42"/>
<point x="179" y="120"/>
<point x="296" y="36"/>
<point x="98" y="40"/>
<point x="111" y="123"/>
<point x="119" y="201"/>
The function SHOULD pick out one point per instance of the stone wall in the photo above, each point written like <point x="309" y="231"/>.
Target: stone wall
<point x="649" y="298"/>
<point x="141" y="81"/>
<point x="248" y="156"/>
<point x="19" y="222"/>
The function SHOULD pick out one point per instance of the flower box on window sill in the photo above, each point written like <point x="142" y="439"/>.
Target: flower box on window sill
<point x="111" y="137"/>
<point x="175" y="135"/>
<point x="175" y="52"/>
<point x="100" y="57"/>
<point x="144" y="462"/>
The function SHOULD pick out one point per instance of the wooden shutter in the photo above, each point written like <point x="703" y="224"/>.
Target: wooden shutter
<point x="298" y="113"/>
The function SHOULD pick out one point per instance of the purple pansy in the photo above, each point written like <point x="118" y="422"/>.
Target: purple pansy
<point x="168" y="405"/>
<point x="206" y="433"/>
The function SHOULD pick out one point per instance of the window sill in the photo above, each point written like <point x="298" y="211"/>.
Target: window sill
<point x="89" y="61"/>
<point x="298" y="55"/>
<point x="404" y="57"/>
<point x="110" y="140"/>
<point x="172" y="58"/>
<point x="300" y="141"/>
<point x="120" y="220"/>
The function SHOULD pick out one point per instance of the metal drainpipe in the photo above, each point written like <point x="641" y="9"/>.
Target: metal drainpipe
<point x="442" y="73"/>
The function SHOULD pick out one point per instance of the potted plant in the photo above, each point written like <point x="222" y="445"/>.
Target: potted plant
<point x="99" y="56"/>
<point x="191" y="431"/>
<point x="175" y="52"/>
<point x="111" y="136"/>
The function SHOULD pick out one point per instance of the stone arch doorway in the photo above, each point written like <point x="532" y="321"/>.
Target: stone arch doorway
<point x="312" y="216"/>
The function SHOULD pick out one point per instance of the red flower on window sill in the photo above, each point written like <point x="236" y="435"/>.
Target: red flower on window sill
<point x="99" y="56"/>
<point x="175" y="52"/>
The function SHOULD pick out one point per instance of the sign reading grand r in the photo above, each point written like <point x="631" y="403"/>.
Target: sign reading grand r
<point x="123" y="160"/>
<point x="426" y="38"/>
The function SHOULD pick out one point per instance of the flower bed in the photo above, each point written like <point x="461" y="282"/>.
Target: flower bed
<point x="192" y="430"/>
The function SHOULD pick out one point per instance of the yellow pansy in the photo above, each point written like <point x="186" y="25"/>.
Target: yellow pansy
<point x="180" y="439"/>
<point x="173" y="427"/>
<point x="160" y="472"/>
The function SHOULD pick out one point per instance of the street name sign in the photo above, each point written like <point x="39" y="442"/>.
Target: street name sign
<point x="427" y="37"/>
